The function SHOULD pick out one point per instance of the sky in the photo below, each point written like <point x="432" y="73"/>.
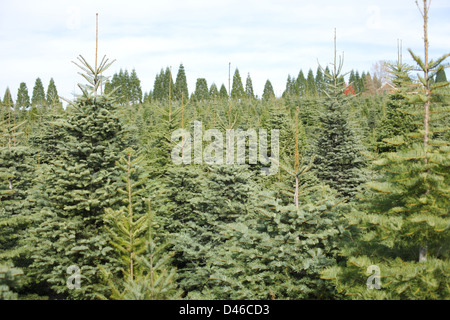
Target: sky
<point x="267" y="39"/>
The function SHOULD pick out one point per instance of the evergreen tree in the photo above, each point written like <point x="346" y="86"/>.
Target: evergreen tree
<point x="201" y="90"/>
<point x="311" y="84"/>
<point x="223" y="93"/>
<point x="404" y="232"/>
<point x="125" y="83"/>
<point x="277" y="250"/>
<point x="226" y="195"/>
<point x="52" y="93"/>
<point x="352" y="78"/>
<point x="319" y="81"/>
<point x="441" y="76"/>
<point x="7" y="99"/>
<point x="16" y="180"/>
<point x="181" y="87"/>
<point x="268" y="91"/>
<point x="108" y="87"/>
<point x="158" y="86"/>
<point x="357" y="85"/>
<point x="38" y="96"/>
<point x="237" y="89"/>
<point x="249" y="87"/>
<point x="290" y="86"/>
<point x="145" y="266"/>
<point x="135" y="88"/>
<point x="339" y="160"/>
<point x="395" y="122"/>
<point x="168" y="85"/>
<point x="213" y="92"/>
<point x="300" y="84"/>
<point x="74" y="191"/>
<point x="23" y="99"/>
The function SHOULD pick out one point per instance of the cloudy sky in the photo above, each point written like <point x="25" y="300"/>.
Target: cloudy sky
<point x="263" y="38"/>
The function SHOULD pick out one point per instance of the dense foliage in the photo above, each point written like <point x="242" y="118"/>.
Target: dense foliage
<point x="93" y="205"/>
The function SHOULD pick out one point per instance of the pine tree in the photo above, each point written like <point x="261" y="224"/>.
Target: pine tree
<point x="16" y="180"/>
<point x="237" y="89"/>
<point x="226" y="194"/>
<point x="125" y="83"/>
<point x="7" y="98"/>
<point x="357" y="84"/>
<point x="74" y="190"/>
<point x="135" y="88"/>
<point x="404" y="232"/>
<point x="23" y="99"/>
<point x="395" y="122"/>
<point x="277" y="250"/>
<point x="268" y="91"/>
<point x="146" y="273"/>
<point x="158" y="89"/>
<point x="249" y="87"/>
<point x="311" y="84"/>
<point x="181" y="87"/>
<point x="38" y="96"/>
<point x="441" y="76"/>
<point x="168" y="85"/>
<point x="352" y="78"/>
<point x="339" y="160"/>
<point x="223" y="93"/>
<point x="300" y="84"/>
<point x="319" y="81"/>
<point x="201" y="90"/>
<point x="290" y="87"/>
<point x="52" y="93"/>
<point x="213" y="91"/>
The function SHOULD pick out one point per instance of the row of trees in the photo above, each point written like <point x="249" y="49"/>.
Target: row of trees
<point x="38" y="98"/>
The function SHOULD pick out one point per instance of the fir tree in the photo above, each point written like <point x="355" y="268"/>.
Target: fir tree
<point x="339" y="159"/>
<point x="319" y="81"/>
<point x="300" y="84"/>
<point x="213" y="91"/>
<point x="223" y="92"/>
<point x="441" y="76"/>
<point x="168" y="85"/>
<point x="23" y="99"/>
<point x="201" y="90"/>
<point x="311" y="84"/>
<point x="38" y="96"/>
<point x="135" y="88"/>
<point x="158" y="89"/>
<point x="131" y="230"/>
<point x="226" y="196"/>
<point x="395" y="122"/>
<point x="268" y="91"/>
<point x="237" y="89"/>
<point x="74" y="191"/>
<point x="404" y="233"/>
<point x="16" y="181"/>
<point x="125" y="83"/>
<point x="7" y="99"/>
<point x="249" y="87"/>
<point x="52" y="93"/>
<point x="290" y="87"/>
<point x="181" y="87"/>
